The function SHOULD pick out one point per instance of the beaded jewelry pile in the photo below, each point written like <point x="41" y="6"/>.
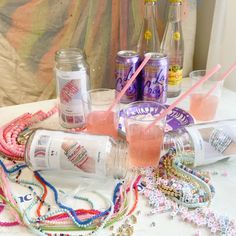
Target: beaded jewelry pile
<point x="183" y="192"/>
<point x="173" y="188"/>
<point x="59" y="217"/>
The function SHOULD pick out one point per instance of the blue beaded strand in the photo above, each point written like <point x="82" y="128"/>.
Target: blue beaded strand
<point x="71" y="210"/>
<point x="13" y="169"/>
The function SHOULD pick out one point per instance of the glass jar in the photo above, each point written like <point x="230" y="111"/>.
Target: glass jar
<point x="203" y="143"/>
<point x="72" y="77"/>
<point x="88" y="155"/>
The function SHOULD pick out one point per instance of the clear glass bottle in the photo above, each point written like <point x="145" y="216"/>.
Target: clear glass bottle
<point x="203" y="143"/>
<point x="88" y="155"/>
<point x="173" y="45"/>
<point x="148" y="40"/>
<point x="72" y="77"/>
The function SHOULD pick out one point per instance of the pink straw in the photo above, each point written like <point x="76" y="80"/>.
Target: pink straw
<point x="226" y="74"/>
<point x="130" y="81"/>
<point x="184" y="95"/>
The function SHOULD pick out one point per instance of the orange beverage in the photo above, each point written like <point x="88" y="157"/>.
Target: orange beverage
<point x="203" y="108"/>
<point x="98" y="122"/>
<point x="144" y="145"/>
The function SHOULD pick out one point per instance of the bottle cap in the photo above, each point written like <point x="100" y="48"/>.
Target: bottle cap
<point x="146" y="1"/>
<point x="175" y="1"/>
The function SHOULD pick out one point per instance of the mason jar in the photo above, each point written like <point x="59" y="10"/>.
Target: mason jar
<point x="84" y="154"/>
<point x="72" y="79"/>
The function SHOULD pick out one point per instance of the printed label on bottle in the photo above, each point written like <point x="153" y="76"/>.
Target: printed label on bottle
<point x="71" y="86"/>
<point x="147" y="34"/>
<point x="204" y="152"/>
<point x="55" y="150"/>
<point x="176" y="36"/>
<point x="175" y="75"/>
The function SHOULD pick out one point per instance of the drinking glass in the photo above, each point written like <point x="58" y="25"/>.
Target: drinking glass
<point x="98" y="120"/>
<point x="205" y="99"/>
<point x="144" y="144"/>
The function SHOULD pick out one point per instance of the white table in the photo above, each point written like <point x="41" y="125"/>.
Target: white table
<point x="224" y="201"/>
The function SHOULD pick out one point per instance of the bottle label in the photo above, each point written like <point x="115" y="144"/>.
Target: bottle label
<point x="148" y="34"/>
<point x="176" y="36"/>
<point x="56" y="150"/>
<point x="71" y="86"/>
<point x="205" y="151"/>
<point x="175" y="75"/>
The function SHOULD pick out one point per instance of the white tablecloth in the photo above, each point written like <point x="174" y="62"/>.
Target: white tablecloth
<point x="224" y="201"/>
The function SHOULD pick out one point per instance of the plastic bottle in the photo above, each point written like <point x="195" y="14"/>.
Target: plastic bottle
<point x="88" y="155"/>
<point x="173" y="45"/>
<point x="203" y="143"/>
<point x="148" y="38"/>
<point x="72" y="77"/>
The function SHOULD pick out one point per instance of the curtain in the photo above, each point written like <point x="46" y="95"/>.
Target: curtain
<point x="31" y="31"/>
<point x="222" y="47"/>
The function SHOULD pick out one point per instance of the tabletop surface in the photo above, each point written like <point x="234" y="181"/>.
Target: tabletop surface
<point x="223" y="203"/>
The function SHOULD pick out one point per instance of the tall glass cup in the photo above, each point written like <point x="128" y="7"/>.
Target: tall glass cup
<point x="98" y="121"/>
<point x="144" y="145"/>
<point x="204" y="101"/>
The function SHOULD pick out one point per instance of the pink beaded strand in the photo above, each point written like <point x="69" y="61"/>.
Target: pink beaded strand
<point x="10" y="131"/>
<point x="9" y="196"/>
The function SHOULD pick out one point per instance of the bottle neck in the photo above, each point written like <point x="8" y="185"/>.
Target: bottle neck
<point x="183" y="144"/>
<point x="69" y="55"/>
<point x="174" y="12"/>
<point x="150" y="10"/>
<point x="118" y="161"/>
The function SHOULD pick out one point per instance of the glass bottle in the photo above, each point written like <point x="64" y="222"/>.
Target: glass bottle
<point x="72" y="77"/>
<point x="148" y="40"/>
<point x="173" y="45"/>
<point x="203" y="143"/>
<point x="88" y="155"/>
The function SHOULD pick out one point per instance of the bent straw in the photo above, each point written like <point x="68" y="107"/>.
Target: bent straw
<point x="184" y="95"/>
<point x="226" y="74"/>
<point x="130" y="81"/>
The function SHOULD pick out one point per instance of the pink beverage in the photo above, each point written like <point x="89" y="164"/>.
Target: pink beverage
<point x="203" y="108"/>
<point x="98" y="122"/>
<point x="144" y="146"/>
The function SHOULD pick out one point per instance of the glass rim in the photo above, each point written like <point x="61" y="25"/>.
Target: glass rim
<point x="212" y="79"/>
<point x="196" y="71"/>
<point x="91" y="91"/>
<point x="130" y="105"/>
<point x="67" y="54"/>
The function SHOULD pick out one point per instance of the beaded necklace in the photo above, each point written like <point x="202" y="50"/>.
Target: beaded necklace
<point x="4" y="202"/>
<point x="62" y="206"/>
<point x="34" y="224"/>
<point x="182" y="184"/>
<point x="10" y="145"/>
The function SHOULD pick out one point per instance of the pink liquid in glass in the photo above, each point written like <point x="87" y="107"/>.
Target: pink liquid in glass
<point x="203" y="108"/>
<point x="144" y="146"/>
<point x="98" y="122"/>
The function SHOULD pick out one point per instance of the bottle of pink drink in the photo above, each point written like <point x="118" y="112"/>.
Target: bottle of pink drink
<point x="145" y="146"/>
<point x="203" y="108"/>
